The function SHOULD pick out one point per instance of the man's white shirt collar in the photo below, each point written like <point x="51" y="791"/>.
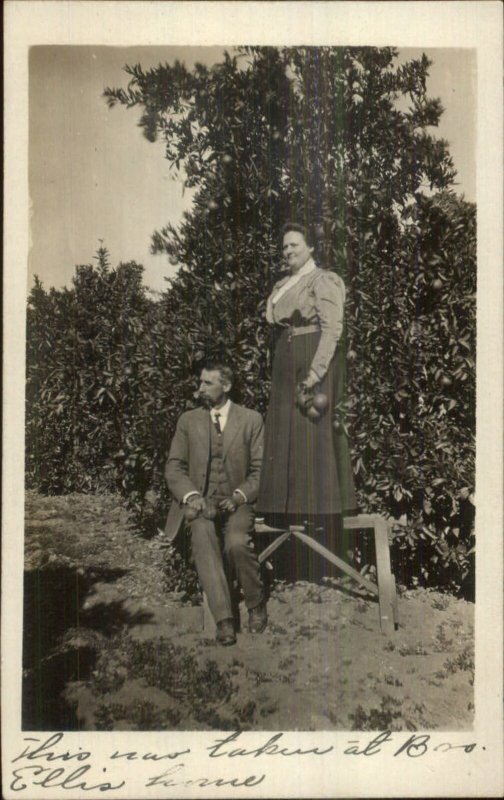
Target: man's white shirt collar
<point x="305" y="269"/>
<point x="223" y="412"/>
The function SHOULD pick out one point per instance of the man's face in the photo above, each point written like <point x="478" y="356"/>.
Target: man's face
<point x="213" y="391"/>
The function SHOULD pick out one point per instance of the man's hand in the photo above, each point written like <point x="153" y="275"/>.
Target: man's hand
<point x="194" y="507"/>
<point x="230" y="504"/>
<point x="197" y="502"/>
<point x="227" y="505"/>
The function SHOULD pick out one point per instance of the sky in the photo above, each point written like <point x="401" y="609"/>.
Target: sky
<point x="94" y="178"/>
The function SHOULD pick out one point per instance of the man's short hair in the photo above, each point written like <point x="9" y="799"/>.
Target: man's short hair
<point x="224" y="370"/>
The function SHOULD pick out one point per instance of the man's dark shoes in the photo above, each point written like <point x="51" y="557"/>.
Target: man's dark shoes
<point x="225" y="632"/>
<point x="258" y="618"/>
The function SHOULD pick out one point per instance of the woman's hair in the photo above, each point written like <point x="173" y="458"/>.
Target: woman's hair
<point x="297" y="228"/>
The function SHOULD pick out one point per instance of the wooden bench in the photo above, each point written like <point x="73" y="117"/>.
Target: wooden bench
<point x="385" y="589"/>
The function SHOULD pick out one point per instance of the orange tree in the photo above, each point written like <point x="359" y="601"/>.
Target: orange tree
<point x="88" y="369"/>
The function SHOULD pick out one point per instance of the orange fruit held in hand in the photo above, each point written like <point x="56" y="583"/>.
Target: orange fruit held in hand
<point x="313" y="414"/>
<point x="320" y="401"/>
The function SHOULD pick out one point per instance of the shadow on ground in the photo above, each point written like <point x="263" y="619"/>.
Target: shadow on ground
<point x="53" y="606"/>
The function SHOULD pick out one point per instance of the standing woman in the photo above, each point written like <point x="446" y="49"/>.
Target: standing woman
<point x="306" y="472"/>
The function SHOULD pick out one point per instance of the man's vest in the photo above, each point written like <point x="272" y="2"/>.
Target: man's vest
<point x="218" y="483"/>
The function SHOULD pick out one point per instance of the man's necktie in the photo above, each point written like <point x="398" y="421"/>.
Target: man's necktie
<point x="217" y="423"/>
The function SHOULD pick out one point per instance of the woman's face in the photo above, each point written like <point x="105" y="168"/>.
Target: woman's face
<point x="295" y="250"/>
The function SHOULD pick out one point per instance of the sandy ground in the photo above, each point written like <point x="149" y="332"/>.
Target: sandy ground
<point x="106" y="646"/>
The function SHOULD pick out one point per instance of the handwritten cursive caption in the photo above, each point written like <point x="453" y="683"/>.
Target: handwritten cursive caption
<point x="49" y="764"/>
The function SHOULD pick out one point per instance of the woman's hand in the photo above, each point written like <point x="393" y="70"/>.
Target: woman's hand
<point x="305" y="393"/>
<point x="303" y="396"/>
<point x="311" y="381"/>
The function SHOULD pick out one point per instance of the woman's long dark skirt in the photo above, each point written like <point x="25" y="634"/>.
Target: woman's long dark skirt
<point x="306" y="468"/>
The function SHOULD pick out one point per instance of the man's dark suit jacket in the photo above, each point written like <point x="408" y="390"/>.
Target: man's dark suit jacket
<point x="188" y="465"/>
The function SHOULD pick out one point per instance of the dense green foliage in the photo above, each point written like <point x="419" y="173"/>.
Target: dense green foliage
<point x="89" y="354"/>
<point x="337" y="138"/>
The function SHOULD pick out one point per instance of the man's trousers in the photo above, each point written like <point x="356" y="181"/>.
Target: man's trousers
<point x="224" y="546"/>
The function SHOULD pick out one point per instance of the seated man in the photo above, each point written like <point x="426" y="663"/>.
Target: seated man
<point x="213" y="472"/>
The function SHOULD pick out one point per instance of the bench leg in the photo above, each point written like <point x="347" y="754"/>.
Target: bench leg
<point x="273" y="546"/>
<point x="338" y="562"/>
<point x="395" y="607"/>
<point x="387" y="595"/>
